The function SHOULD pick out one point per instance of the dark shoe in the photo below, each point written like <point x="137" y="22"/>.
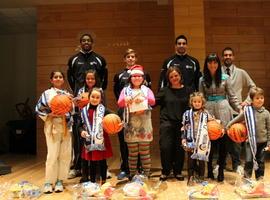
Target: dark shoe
<point x="179" y="177"/>
<point x="220" y="177"/>
<point x="84" y="179"/>
<point x="122" y="175"/>
<point x="163" y="177"/>
<point x="211" y="175"/>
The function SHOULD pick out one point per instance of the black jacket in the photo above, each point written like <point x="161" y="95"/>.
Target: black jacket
<point x="189" y="67"/>
<point x="80" y="63"/>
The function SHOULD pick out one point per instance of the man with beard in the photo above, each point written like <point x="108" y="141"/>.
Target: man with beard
<point x="239" y="80"/>
<point x="78" y="64"/>
<point x="189" y="66"/>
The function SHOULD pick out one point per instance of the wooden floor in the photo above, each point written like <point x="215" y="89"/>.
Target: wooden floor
<point x="31" y="168"/>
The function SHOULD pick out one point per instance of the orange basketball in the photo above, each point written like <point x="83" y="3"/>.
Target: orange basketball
<point x="111" y="123"/>
<point x="237" y="132"/>
<point x="214" y="130"/>
<point x="61" y="104"/>
<point x="83" y="100"/>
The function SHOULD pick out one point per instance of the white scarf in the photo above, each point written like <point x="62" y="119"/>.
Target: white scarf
<point x="202" y="143"/>
<point x="251" y="129"/>
<point x="128" y="91"/>
<point x="95" y="129"/>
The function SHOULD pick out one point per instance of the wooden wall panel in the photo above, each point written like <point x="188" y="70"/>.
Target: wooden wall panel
<point x="243" y="25"/>
<point x="145" y="26"/>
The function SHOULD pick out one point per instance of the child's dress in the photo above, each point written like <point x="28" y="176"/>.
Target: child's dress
<point x="58" y="138"/>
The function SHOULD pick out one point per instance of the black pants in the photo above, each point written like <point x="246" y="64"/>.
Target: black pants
<point x="93" y="168"/>
<point x="76" y="144"/>
<point x="218" y="146"/>
<point x="172" y="153"/>
<point x="193" y="167"/>
<point x="260" y="155"/>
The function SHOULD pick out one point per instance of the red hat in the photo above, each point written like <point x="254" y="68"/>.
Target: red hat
<point x="136" y="69"/>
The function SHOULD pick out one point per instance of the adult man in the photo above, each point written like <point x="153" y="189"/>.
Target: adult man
<point x="120" y="81"/>
<point x="189" y="66"/>
<point x="78" y="64"/>
<point x="86" y="59"/>
<point x="239" y="80"/>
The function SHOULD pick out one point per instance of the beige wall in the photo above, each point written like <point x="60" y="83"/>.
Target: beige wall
<point x="145" y="26"/>
<point x="245" y="26"/>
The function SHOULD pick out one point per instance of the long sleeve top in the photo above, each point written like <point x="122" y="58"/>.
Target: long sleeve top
<point x="262" y="121"/>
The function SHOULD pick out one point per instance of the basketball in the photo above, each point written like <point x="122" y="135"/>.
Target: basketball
<point x="111" y="123"/>
<point x="214" y="130"/>
<point x="83" y="100"/>
<point x="61" y="104"/>
<point x="237" y="132"/>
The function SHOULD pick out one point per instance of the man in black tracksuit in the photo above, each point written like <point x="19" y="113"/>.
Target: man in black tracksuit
<point x="120" y="81"/>
<point x="189" y="66"/>
<point x="78" y="64"/>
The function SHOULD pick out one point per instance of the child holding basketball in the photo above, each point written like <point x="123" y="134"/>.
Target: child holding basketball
<point x="97" y="146"/>
<point x="195" y="139"/>
<point x="257" y="120"/>
<point x="57" y="131"/>
<point x="137" y="98"/>
<point x="91" y="80"/>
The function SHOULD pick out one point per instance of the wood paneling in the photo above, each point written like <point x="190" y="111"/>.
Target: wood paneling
<point x="243" y="25"/>
<point x="144" y="26"/>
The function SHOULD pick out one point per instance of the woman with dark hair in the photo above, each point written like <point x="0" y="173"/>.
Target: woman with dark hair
<point x="219" y="95"/>
<point x="173" y="101"/>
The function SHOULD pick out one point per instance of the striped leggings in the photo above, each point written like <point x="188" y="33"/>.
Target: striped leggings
<point x="142" y="148"/>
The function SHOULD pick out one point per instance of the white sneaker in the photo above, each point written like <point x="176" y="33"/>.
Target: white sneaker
<point x="47" y="188"/>
<point x="59" y="186"/>
<point x="72" y="174"/>
<point x="109" y="174"/>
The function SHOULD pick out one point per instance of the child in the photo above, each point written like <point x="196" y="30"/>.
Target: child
<point x="257" y="120"/>
<point x="97" y="146"/>
<point x="58" y="136"/>
<point x="91" y="80"/>
<point x="195" y="135"/>
<point x="137" y="99"/>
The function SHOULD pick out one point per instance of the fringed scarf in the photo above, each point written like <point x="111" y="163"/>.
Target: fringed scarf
<point x="128" y="91"/>
<point x="201" y="143"/>
<point x="95" y="129"/>
<point x="251" y="129"/>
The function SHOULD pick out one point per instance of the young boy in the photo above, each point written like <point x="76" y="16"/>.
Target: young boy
<point x="257" y="120"/>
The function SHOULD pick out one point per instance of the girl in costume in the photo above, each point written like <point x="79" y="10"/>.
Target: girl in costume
<point x="57" y="131"/>
<point x="137" y="98"/>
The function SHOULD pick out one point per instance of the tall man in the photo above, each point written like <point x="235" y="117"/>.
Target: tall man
<point x="189" y="66"/>
<point x="239" y="80"/>
<point x="78" y="64"/>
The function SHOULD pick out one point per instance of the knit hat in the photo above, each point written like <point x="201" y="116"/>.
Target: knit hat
<point x="136" y="69"/>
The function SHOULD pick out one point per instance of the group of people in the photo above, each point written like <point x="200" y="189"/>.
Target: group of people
<point x="188" y="100"/>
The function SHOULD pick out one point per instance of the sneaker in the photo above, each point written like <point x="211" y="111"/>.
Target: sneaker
<point x="47" y="188"/>
<point x="109" y="174"/>
<point x="179" y="177"/>
<point x="58" y="186"/>
<point x="163" y="177"/>
<point x="122" y="175"/>
<point x="73" y="173"/>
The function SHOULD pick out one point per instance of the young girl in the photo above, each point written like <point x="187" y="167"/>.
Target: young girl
<point x="97" y="146"/>
<point x="195" y="135"/>
<point x="57" y="131"/>
<point x="137" y="99"/>
<point x="91" y="81"/>
<point x="257" y="120"/>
